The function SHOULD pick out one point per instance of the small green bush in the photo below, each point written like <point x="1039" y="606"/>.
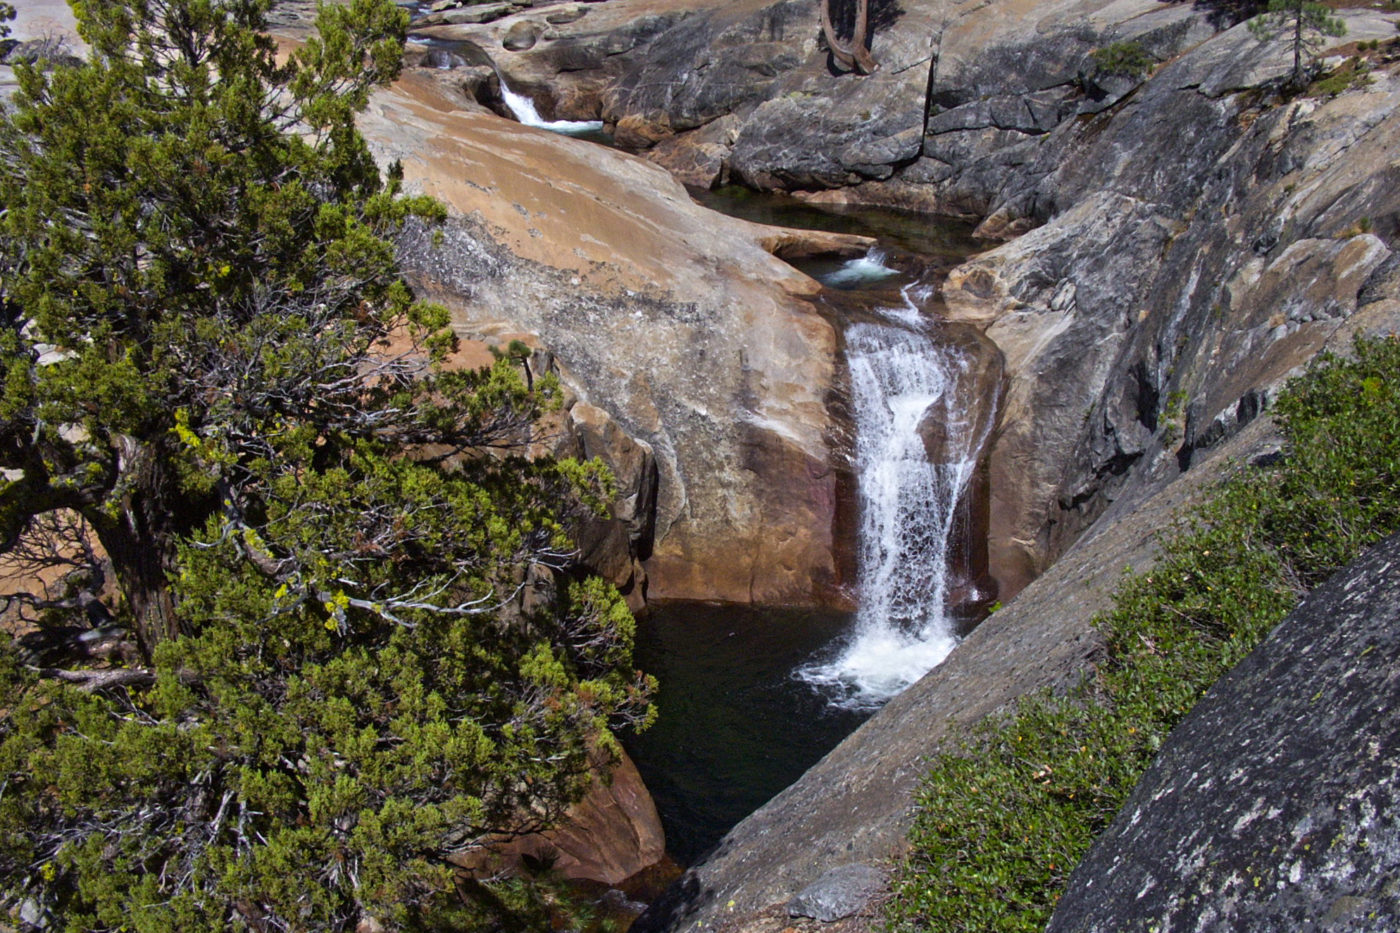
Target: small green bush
<point x="1003" y="818"/>
<point x="1129" y="59"/>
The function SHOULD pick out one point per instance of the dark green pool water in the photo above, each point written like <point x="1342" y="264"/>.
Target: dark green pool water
<point x="930" y="238"/>
<point x="735" y="727"/>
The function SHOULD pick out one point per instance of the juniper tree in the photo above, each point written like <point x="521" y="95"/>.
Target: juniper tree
<point x="320" y="540"/>
<point x="1303" y="22"/>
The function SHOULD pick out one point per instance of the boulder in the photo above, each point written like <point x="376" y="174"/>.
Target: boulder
<point x="1273" y="805"/>
<point x="675" y="321"/>
<point x="521" y="36"/>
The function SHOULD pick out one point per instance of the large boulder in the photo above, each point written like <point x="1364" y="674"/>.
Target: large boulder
<point x="676" y="322"/>
<point x="1273" y="806"/>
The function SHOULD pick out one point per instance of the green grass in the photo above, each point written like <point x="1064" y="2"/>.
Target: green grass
<point x="1003" y="818"/>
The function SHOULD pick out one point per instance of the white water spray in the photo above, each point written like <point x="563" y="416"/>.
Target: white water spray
<point x="899" y="377"/>
<point x="524" y="110"/>
<point x="865" y="270"/>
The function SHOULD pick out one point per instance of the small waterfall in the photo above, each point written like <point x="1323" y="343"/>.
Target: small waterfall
<point x="524" y="110"/>
<point x="865" y="270"/>
<point x="899" y="378"/>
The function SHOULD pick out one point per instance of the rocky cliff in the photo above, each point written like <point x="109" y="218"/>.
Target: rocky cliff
<point x="1183" y="235"/>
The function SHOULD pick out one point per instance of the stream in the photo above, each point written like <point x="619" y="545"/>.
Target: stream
<point x="750" y="697"/>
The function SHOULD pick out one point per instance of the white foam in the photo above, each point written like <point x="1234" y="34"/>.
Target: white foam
<point x="899" y="377"/>
<point x="862" y="271"/>
<point x="525" y="112"/>
<point x="876" y="665"/>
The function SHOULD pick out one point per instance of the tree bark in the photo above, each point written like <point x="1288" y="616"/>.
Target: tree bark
<point x="854" y="56"/>
<point x="140" y="541"/>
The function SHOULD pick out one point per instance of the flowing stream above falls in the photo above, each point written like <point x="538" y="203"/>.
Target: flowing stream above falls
<point x="526" y="113"/>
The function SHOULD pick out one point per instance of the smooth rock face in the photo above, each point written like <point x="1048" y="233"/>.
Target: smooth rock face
<point x="1275" y="805"/>
<point x="838" y="893"/>
<point x="675" y="321"/>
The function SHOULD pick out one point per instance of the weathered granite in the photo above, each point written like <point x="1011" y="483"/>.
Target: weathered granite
<point x="838" y="893"/>
<point x="1275" y="805"/>
<point x="676" y="321"/>
<point x="1166" y="291"/>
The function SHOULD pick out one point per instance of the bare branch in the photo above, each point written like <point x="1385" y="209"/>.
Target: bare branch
<point x="855" y="55"/>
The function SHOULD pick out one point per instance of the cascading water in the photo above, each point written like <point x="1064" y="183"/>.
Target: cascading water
<point x="736" y="725"/>
<point x="524" y="110"/>
<point x="865" y="270"/>
<point x="900" y="376"/>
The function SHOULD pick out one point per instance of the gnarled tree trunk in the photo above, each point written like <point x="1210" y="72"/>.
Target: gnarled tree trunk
<point x="140" y="541"/>
<point x="854" y="55"/>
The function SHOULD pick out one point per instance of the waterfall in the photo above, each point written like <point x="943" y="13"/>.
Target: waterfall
<point x="864" y="270"/>
<point x="900" y="376"/>
<point x="524" y="110"/>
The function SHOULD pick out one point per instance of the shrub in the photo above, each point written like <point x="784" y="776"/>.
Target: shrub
<point x="1128" y="59"/>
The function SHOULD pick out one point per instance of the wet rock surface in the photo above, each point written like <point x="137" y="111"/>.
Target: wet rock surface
<point x="1273" y="806"/>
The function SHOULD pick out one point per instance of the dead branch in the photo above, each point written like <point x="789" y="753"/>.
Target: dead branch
<point x="854" y="56"/>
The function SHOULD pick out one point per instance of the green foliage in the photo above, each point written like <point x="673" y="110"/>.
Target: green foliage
<point x="1129" y="59"/>
<point x="1004" y="817"/>
<point x="1352" y="73"/>
<point x="358" y="645"/>
<point x="1172" y="414"/>
<point x="1303" y="24"/>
